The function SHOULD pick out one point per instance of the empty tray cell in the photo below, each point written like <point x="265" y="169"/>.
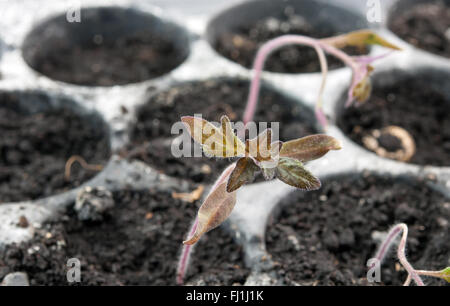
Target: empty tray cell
<point x="111" y="46"/>
<point x="424" y="24"/>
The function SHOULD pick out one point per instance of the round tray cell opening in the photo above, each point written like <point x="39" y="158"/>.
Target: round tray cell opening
<point x="41" y="136"/>
<point x="405" y="119"/>
<point x="423" y="24"/>
<point x="326" y="237"/>
<point x="151" y="137"/>
<point x="110" y="46"/>
<point x="238" y="32"/>
<point x="136" y="241"/>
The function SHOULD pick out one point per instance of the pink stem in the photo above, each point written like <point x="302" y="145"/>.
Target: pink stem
<point x="276" y="43"/>
<point x="385" y="246"/>
<point x="183" y="263"/>
<point x="185" y="256"/>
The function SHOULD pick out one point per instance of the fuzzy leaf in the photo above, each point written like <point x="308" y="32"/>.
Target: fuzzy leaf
<point x="232" y="141"/>
<point x="359" y="39"/>
<point x="292" y="172"/>
<point x="309" y="148"/>
<point x="243" y="173"/>
<point x="264" y="152"/>
<point x="213" y="212"/>
<point x="217" y="142"/>
<point x="260" y="146"/>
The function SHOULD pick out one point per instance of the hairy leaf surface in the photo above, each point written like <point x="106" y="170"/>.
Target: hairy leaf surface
<point x="309" y="148"/>
<point x="292" y="172"/>
<point x="216" y="142"/>
<point x="243" y="173"/>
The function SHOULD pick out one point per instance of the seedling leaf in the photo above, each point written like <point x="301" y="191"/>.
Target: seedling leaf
<point x="214" y="141"/>
<point x="292" y="172"/>
<point x="243" y="173"/>
<point x="309" y="148"/>
<point x="359" y="39"/>
<point x="260" y="146"/>
<point x="233" y="143"/>
<point x="213" y="212"/>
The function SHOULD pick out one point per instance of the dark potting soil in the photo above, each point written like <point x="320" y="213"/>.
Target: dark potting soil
<point x="151" y="137"/>
<point x="137" y="243"/>
<point x="325" y="237"/>
<point x="425" y="25"/>
<point x="413" y="105"/>
<point x="242" y="44"/>
<point x="35" y="148"/>
<point x="125" y="60"/>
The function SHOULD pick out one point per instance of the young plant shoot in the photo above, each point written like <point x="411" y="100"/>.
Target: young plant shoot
<point x="413" y="274"/>
<point x="360" y="88"/>
<point x="284" y="161"/>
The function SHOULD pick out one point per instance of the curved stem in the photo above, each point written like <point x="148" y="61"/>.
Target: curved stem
<point x="430" y="273"/>
<point x="261" y="56"/>
<point x="344" y="57"/>
<point x="276" y="43"/>
<point x="76" y="158"/>
<point x="385" y="246"/>
<point x="185" y="255"/>
<point x="407" y="281"/>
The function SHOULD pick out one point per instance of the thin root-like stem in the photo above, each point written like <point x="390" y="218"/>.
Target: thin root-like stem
<point x="261" y="57"/>
<point x="185" y="255"/>
<point x="412" y="273"/>
<point x="385" y="246"/>
<point x="83" y="164"/>
<point x="276" y="43"/>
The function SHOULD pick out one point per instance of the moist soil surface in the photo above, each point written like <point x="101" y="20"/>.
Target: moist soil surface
<point x="137" y="243"/>
<point x="241" y="45"/>
<point x="151" y="137"/>
<point x="412" y="105"/>
<point x="325" y="237"/>
<point x="426" y="26"/>
<point x="35" y="148"/>
<point x="125" y="60"/>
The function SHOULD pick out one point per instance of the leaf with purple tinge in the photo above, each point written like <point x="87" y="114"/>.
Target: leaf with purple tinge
<point x="217" y="142"/>
<point x="292" y="172"/>
<point x="263" y="151"/>
<point x="309" y="148"/>
<point x="216" y="208"/>
<point x="260" y="147"/>
<point x="243" y="173"/>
